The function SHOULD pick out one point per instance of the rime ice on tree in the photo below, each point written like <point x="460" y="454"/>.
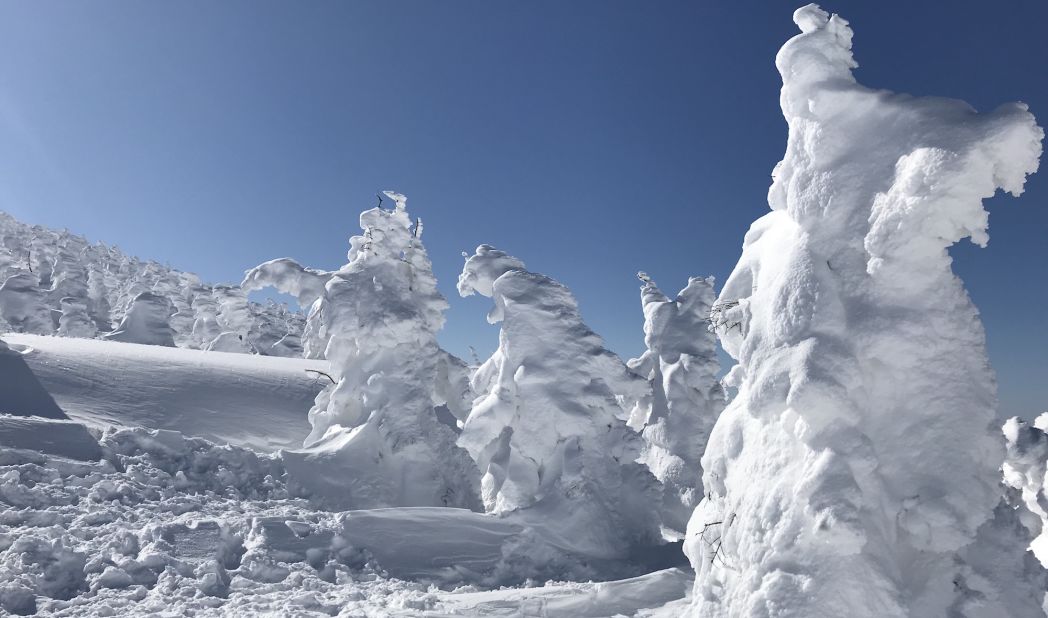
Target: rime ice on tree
<point x="376" y="440"/>
<point x="855" y="473"/>
<point x="547" y="429"/>
<point x="686" y="397"/>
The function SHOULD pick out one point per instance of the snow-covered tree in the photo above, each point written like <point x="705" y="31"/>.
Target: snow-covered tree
<point x="22" y="304"/>
<point x="548" y="430"/>
<point x="855" y="473"/>
<point x="376" y="440"/>
<point x="145" y="322"/>
<point x="75" y="320"/>
<point x="675" y="418"/>
<point x="56" y="265"/>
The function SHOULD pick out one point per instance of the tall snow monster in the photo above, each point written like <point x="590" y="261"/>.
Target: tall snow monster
<point x="376" y="439"/>
<point x="548" y="429"/>
<point x="857" y="473"/>
<point x="677" y="415"/>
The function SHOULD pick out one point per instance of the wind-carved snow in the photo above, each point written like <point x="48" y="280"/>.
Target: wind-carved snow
<point x="54" y="282"/>
<point x="686" y="397"/>
<point x="376" y="439"/>
<point x="856" y="474"/>
<point x="548" y="428"/>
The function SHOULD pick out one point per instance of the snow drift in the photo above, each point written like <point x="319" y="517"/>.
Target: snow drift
<point x="22" y="394"/>
<point x="855" y="473"/>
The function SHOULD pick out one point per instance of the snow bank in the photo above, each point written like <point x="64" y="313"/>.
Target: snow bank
<point x="548" y="430"/>
<point x="686" y="397"/>
<point x="22" y="393"/>
<point x="855" y="474"/>
<point x="246" y="400"/>
<point x="376" y="440"/>
<point x="51" y="436"/>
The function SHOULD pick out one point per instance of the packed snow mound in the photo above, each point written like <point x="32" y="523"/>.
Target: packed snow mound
<point x="146" y="322"/>
<point x="1025" y="471"/>
<point x="376" y="439"/>
<point x="22" y="394"/>
<point x="548" y="428"/>
<point x="50" y="436"/>
<point x="252" y="401"/>
<point x="54" y="281"/>
<point x="153" y="522"/>
<point x="855" y="473"/>
<point x="686" y="397"/>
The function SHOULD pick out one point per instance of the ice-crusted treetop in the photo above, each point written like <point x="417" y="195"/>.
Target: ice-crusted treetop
<point x="483" y="268"/>
<point x="676" y="326"/>
<point x="859" y="437"/>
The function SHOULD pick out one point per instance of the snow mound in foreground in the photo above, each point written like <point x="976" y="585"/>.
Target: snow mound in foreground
<point x="856" y="474"/>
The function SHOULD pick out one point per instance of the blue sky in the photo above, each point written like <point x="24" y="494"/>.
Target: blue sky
<point x="590" y="138"/>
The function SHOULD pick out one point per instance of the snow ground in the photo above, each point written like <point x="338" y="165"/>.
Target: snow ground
<point x="136" y="522"/>
<point x="241" y="399"/>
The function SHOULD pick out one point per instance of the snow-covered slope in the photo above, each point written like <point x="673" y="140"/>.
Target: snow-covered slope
<point x="246" y="400"/>
<point x="55" y="281"/>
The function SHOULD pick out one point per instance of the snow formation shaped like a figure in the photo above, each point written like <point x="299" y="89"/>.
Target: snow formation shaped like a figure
<point x="146" y="322"/>
<point x="548" y="430"/>
<point x="1026" y="470"/>
<point x="376" y="440"/>
<point x="855" y="473"/>
<point x="686" y="397"/>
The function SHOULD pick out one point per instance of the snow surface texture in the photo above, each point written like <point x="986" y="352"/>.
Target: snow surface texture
<point x="147" y="522"/>
<point x="252" y="401"/>
<point x="855" y="473"/>
<point x="686" y="397"/>
<point x="56" y="282"/>
<point x="376" y="438"/>
<point x="548" y="429"/>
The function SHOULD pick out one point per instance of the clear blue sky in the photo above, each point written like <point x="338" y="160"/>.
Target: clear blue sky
<point x="589" y="138"/>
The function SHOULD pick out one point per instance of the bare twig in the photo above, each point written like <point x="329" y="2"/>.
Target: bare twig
<point x="321" y="373"/>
